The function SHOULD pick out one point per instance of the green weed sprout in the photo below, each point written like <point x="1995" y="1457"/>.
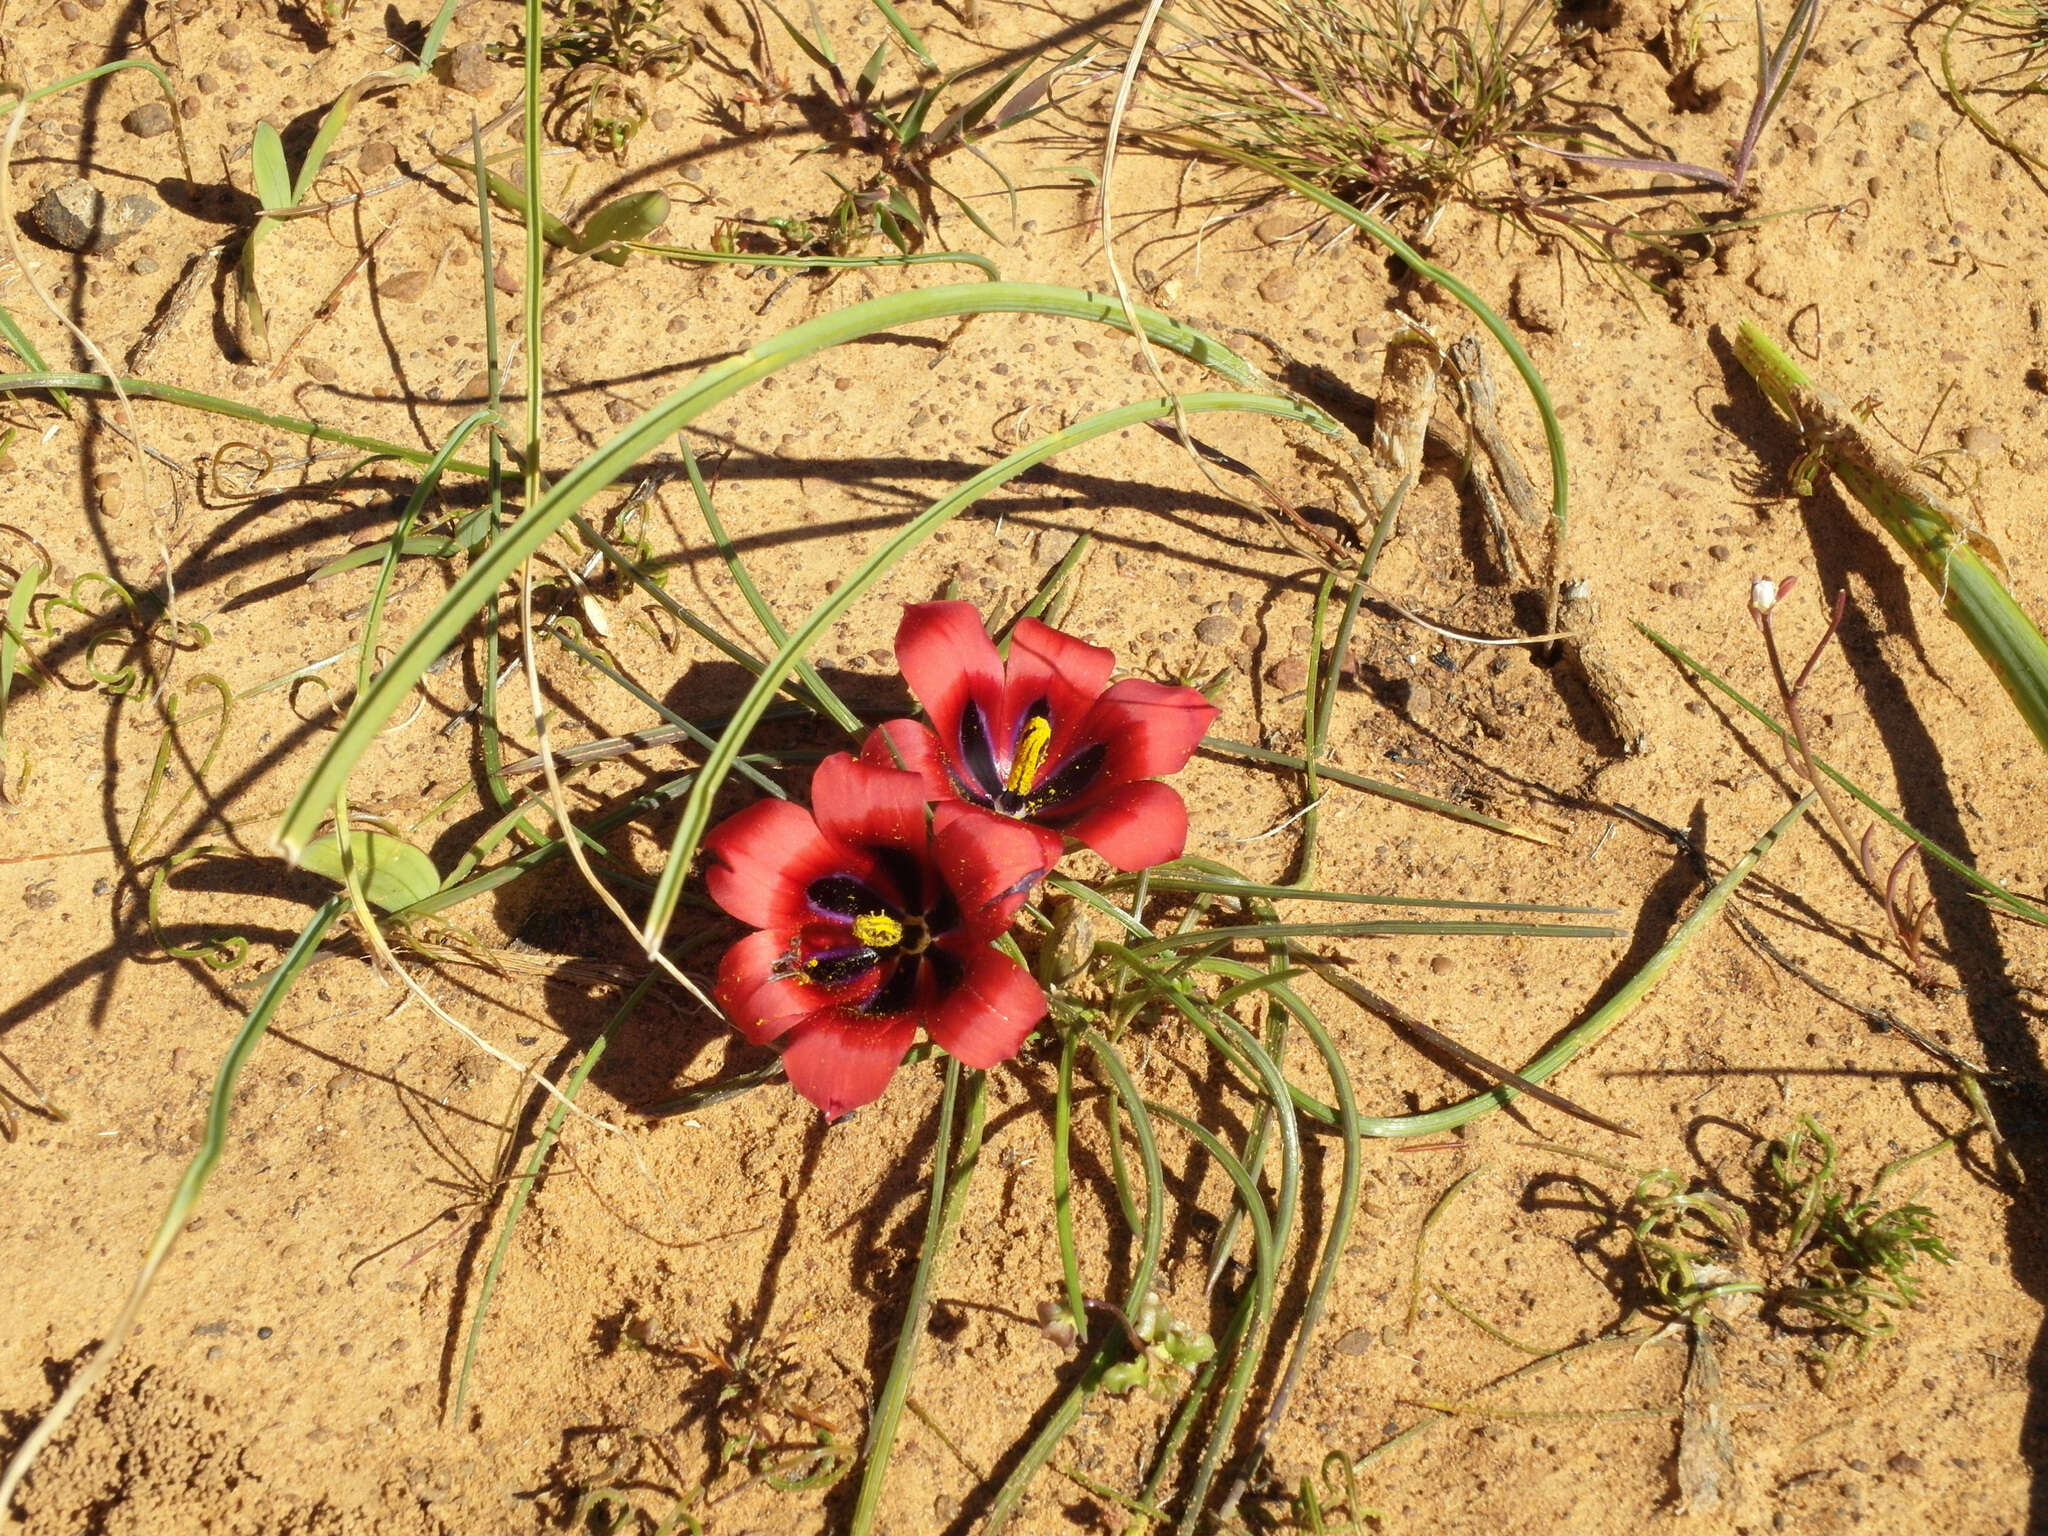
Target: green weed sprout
<point x="1852" y="1262"/>
<point x="284" y="194"/>
<point x="898" y="198"/>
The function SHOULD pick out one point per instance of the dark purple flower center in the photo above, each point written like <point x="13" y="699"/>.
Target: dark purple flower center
<point x="864" y="930"/>
<point x="1033" y="784"/>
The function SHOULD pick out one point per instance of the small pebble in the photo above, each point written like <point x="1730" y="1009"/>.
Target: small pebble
<point x="1919" y="130"/>
<point x="1278" y="287"/>
<point x="376" y="156"/>
<point x="1801" y="134"/>
<point x="318" y="368"/>
<point x="263" y="1333"/>
<point x="77" y="217"/>
<point x="620" y="411"/>
<point x="678" y="324"/>
<point x="149" y="120"/>
<point x="1215" y="630"/>
<point x="662" y="120"/>
<point x="403" y="287"/>
<point x="1687" y="591"/>
<point x="1906" y="1465"/>
<point x="106" y="480"/>
<point x="1288" y="673"/>
<point x="1440" y="965"/>
<point x="468" y="68"/>
<point x="1356" y="1342"/>
<point x="68" y="10"/>
<point x="1982" y="441"/>
<point x="1276" y="227"/>
<point x="208" y="82"/>
<point x="142" y="266"/>
<point x="1719" y="552"/>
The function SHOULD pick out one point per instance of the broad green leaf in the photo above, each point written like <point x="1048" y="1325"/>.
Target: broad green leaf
<point x="633" y="217"/>
<point x="272" y="176"/>
<point x="394" y="873"/>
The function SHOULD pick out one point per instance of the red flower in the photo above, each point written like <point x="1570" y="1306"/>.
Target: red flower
<point x="1047" y="739"/>
<point x="871" y="923"/>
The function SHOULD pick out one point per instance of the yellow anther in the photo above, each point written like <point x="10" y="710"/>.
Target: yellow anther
<point x="1030" y="755"/>
<point x="878" y="930"/>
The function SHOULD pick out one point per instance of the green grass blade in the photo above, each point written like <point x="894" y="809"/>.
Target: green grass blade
<point x="17" y="340"/>
<point x="538" y="522"/>
<point x="1251" y="933"/>
<point x="951" y="1169"/>
<point x="1609" y="1015"/>
<point x="904" y="30"/>
<point x="1113" y="1346"/>
<point x="1934" y="536"/>
<point x="818" y="688"/>
<point x="1163" y="879"/>
<point x="1991" y="890"/>
<point x="1384" y="790"/>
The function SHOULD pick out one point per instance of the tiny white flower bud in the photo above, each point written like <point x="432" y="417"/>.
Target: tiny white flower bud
<point x="1763" y="594"/>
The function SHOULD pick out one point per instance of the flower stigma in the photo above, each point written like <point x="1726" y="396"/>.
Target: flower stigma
<point x="1030" y="755"/>
<point x="878" y="930"/>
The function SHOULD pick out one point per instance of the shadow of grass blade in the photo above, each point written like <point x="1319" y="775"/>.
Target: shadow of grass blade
<point x="1935" y="536"/>
<point x="2005" y="900"/>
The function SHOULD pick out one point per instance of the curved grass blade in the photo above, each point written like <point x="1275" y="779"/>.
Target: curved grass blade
<point x="542" y="516"/>
<point x="1553" y="430"/>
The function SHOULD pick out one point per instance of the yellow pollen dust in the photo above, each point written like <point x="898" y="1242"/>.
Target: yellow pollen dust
<point x="878" y="930"/>
<point x="1030" y="755"/>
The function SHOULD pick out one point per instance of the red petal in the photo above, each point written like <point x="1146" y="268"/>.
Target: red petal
<point x="1048" y="664"/>
<point x="947" y="658"/>
<point x="868" y="807"/>
<point x="918" y="748"/>
<point x="840" y="1061"/>
<point x="765" y="857"/>
<point x="1134" y="825"/>
<point x="986" y="1017"/>
<point x="761" y="1005"/>
<point x="1151" y="729"/>
<point x="989" y="862"/>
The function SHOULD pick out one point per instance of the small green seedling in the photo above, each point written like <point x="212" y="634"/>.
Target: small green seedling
<point x="897" y="200"/>
<point x="605" y="235"/>
<point x="1850" y="1263"/>
<point x="394" y="874"/>
<point x="284" y="194"/>
<point x="1167" y="1349"/>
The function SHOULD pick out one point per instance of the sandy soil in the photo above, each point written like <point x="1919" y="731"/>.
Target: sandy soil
<point x="294" y="1369"/>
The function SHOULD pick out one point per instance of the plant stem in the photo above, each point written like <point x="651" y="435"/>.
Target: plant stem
<point x="951" y="1170"/>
